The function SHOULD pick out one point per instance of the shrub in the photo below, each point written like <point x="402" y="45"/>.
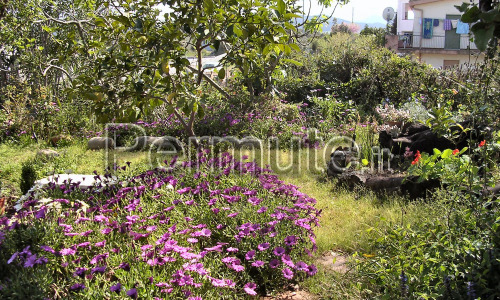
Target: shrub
<point x="212" y="227"/>
<point x="28" y="175"/>
<point x="455" y="250"/>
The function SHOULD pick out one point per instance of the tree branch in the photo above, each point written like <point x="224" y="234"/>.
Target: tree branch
<point x="212" y="83"/>
<point x="77" y="23"/>
<point x="44" y="73"/>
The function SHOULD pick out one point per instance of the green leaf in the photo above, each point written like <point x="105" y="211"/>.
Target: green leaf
<point x="482" y="35"/>
<point x="171" y="96"/>
<point x="297" y="63"/>
<point x="222" y="73"/>
<point x="122" y="19"/>
<point x="436" y="152"/>
<point x="201" y="112"/>
<point x="165" y="68"/>
<point x="99" y="22"/>
<point x="281" y="7"/>
<point x="446" y="153"/>
<point x="209" y="6"/>
<point x="471" y="15"/>
<point x="295" y="47"/>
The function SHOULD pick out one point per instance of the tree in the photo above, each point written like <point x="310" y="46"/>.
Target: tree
<point x="378" y="33"/>
<point x="140" y="52"/>
<point x="129" y="57"/>
<point x="485" y="16"/>
<point x="349" y="28"/>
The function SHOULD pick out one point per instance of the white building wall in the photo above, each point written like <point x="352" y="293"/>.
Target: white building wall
<point x="437" y="60"/>
<point x="404" y="25"/>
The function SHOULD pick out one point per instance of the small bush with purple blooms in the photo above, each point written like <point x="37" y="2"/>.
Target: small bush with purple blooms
<point x="210" y="228"/>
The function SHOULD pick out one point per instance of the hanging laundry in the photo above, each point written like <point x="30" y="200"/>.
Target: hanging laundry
<point x="447" y="24"/>
<point x="454" y="23"/>
<point x="427" y="28"/>
<point x="462" y="28"/>
<point x="436" y="22"/>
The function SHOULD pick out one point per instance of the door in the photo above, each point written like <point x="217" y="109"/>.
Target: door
<point x="451" y="38"/>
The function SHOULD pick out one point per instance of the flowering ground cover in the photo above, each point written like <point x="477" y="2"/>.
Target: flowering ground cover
<point x="210" y="228"/>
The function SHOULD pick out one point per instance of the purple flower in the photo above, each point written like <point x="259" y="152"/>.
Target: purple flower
<point x="290" y="240"/>
<point x="301" y="266"/>
<point x="250" y="255"/>
<point x="124" y="266"/>
<point x="48" y="249"/>
<point x="68" y="251"/>
<point x="132" y="293"/>
<point x="312" y="270"/>
<point x="151" y="228"/>
<point x="30" y="261"/>
<point x="254" y="201"/>
<point x="79" y="272"/>
<point x="116" y="288"/>
<point x="262" y="210"/>
<point x="77" y="287"/>
<point x="41" y="213"/>
<point x="184" y="190"/>
<point x="100" y="244"/>
<point x="263" y="246"/>
<point x="287" y="273"/>
<point x="274" y="263"/>
<point x="106" y="230"/>
<point x="287" y="260"/>
<point x="249" y="288"/>
<point x="278" y="251"/>
<point x="98" y="270"/>
<point x="258" y="263"/>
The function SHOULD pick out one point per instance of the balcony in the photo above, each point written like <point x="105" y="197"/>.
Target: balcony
<point x="448" y="43"/>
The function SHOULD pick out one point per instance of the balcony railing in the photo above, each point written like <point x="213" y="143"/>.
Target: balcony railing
<point x="436" y="42"/>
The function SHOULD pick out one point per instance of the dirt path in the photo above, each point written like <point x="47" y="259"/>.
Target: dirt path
<point x="333" y="261"/>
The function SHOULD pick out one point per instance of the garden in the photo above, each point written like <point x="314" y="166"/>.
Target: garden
<point x="303" y="166"/>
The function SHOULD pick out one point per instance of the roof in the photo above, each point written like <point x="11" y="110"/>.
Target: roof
<point x="417" y="2"/>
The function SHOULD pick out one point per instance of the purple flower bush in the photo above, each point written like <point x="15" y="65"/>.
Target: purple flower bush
<point x="209" y="228"/>
<point x="293" y="124"/>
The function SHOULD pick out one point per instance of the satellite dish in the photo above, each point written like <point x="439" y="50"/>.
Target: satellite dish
<point x="388" y="14"/>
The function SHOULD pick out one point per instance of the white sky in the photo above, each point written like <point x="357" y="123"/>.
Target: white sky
<point x="366" y="11"/>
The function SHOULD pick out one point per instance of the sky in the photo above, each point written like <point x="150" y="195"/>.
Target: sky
<point x="365" y="11"/>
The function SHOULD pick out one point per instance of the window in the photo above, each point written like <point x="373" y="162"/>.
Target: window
<point x="449" y="64"/>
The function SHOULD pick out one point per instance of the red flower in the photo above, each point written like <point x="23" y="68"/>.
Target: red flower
<point x="417" y="158"/>
<point x="456" y="151"/>
<point x="482" y="143"/>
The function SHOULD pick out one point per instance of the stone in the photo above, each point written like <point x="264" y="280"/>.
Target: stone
<point x="339" y="160"/>
<point x="47" y="153"/>
<point x="84" y="182"/>
<point x="98" y="143"/>
<point x="161" y="143"/>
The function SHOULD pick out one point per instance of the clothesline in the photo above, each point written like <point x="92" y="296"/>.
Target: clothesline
<point x="428" y="25"/>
